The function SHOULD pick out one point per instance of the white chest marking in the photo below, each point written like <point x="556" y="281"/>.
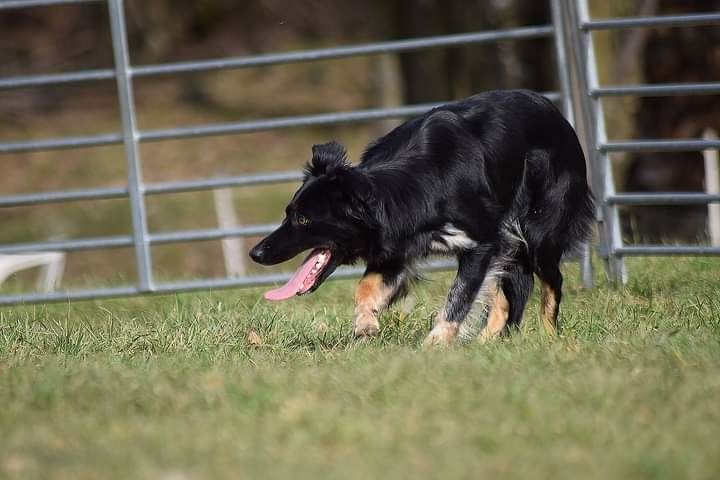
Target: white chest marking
<point x="451" y="239"/>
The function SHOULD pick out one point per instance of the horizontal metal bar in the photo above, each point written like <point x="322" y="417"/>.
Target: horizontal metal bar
<point x="187" y="286"/>
<point x="69" y="245"/>
<point x="658" y="250"/>
<point x="255" y="280"/>
<point x="56" y="78"/>
<point x="150" y="189"/>
<point x="285" y="122"/>
<point x="292" y="122"/>
<point x="218" y="129"/>
<point x="8" y="4"/>
<point x="159" y="238"/>
<point x="61" y="143"/>
<point x="342" y="52"/>
<point x="684" y="145"/>
<point x="227" y="128"/>
<point x="210" y="234"/>
<point x="281" y="58"/>
<point x="24" y="199"/>
<point x="654" y="21"/>
<point x="120" y="241"/>
<point x="224" y="182"/>
<point x="665" y="198"/>
<point x="339" y="274"/>
<point x="66" y="296"/>
<point x="657" y="90"/>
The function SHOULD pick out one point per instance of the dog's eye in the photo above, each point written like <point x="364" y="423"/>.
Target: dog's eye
<point x="303" y="220"/>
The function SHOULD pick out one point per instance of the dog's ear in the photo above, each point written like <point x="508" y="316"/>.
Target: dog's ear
<point x="327" y="157"/>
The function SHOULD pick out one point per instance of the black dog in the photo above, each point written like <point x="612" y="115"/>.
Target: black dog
<point x="497" y="180"/>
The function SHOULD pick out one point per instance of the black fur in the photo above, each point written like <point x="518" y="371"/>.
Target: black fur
<point x="503" y="167"/>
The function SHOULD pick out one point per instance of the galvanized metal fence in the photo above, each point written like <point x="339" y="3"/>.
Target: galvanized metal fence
<point x="130" y="136"/>
<point x="570" y="27"/>
<point x="611" y="245"/>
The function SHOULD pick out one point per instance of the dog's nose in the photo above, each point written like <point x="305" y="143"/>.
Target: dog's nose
<point x="257" y="253"/>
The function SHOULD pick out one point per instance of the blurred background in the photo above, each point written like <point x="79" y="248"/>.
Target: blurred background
<point x="77" y="37"/>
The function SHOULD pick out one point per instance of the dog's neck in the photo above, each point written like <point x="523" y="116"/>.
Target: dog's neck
<point x="393" y="194"/>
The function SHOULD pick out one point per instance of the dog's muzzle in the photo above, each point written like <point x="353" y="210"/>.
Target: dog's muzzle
<point x="258" y="253"/>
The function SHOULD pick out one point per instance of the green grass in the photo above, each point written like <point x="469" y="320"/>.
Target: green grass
<point x="171" y="387"/>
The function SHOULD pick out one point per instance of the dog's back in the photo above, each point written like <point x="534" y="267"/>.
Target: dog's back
<point x="497" y="156"/>
<point x="502" y="174"/>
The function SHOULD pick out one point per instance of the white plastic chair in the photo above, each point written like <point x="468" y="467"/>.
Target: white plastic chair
<point x="52" y="265"/>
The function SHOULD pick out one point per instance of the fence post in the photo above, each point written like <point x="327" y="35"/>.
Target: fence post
<point x="563" y="45"/>
<point x="610" y="234"/>
<point x="123" y="74"/>
<point x="563" y="66"/>
<point x="233" y="248"/>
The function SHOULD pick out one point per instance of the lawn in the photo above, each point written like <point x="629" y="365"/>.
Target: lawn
<point x="225" y="385"/>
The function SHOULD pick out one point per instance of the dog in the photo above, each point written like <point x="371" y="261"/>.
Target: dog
<point x="497" y="180"/>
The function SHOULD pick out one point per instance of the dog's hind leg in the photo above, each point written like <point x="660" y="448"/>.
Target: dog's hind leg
<point x="517" y="285"/>
<point x="498" y="316"/>
<point x="374" y="293"/>
<point x="508" y="304"/>
<point x="551" y="293"/>
<point x="473" y="265"/>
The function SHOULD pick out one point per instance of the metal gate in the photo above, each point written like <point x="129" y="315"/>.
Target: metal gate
<point x="590" y="104"/>
<point x="130" y="136"/>
<point x="571" y="27"/>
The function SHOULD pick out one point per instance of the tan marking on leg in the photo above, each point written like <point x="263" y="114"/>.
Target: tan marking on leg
<point x="443" y="333"/>
<point x="548" y="309"/>
<point x="497" y="318"/>
<point x="371" y="296"/>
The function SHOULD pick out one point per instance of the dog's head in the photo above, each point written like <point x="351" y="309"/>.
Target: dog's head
<point x="329" y="215"/>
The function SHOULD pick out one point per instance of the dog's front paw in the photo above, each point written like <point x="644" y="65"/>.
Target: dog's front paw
<point x="442" y="335"/>
<point x="365" y="327"/>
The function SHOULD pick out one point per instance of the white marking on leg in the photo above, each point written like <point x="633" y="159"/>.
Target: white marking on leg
<point x="443" y="333"/>
<point x="477" y="317"/>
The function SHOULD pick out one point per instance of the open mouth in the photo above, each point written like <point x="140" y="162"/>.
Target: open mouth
<point x="304" y="279"/>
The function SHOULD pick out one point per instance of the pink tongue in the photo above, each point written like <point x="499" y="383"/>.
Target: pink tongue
<point x="293" y="285"/>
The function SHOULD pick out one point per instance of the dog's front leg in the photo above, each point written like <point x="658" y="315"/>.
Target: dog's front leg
<point x="374" y="293"/>
<point x="473" y="265"/>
